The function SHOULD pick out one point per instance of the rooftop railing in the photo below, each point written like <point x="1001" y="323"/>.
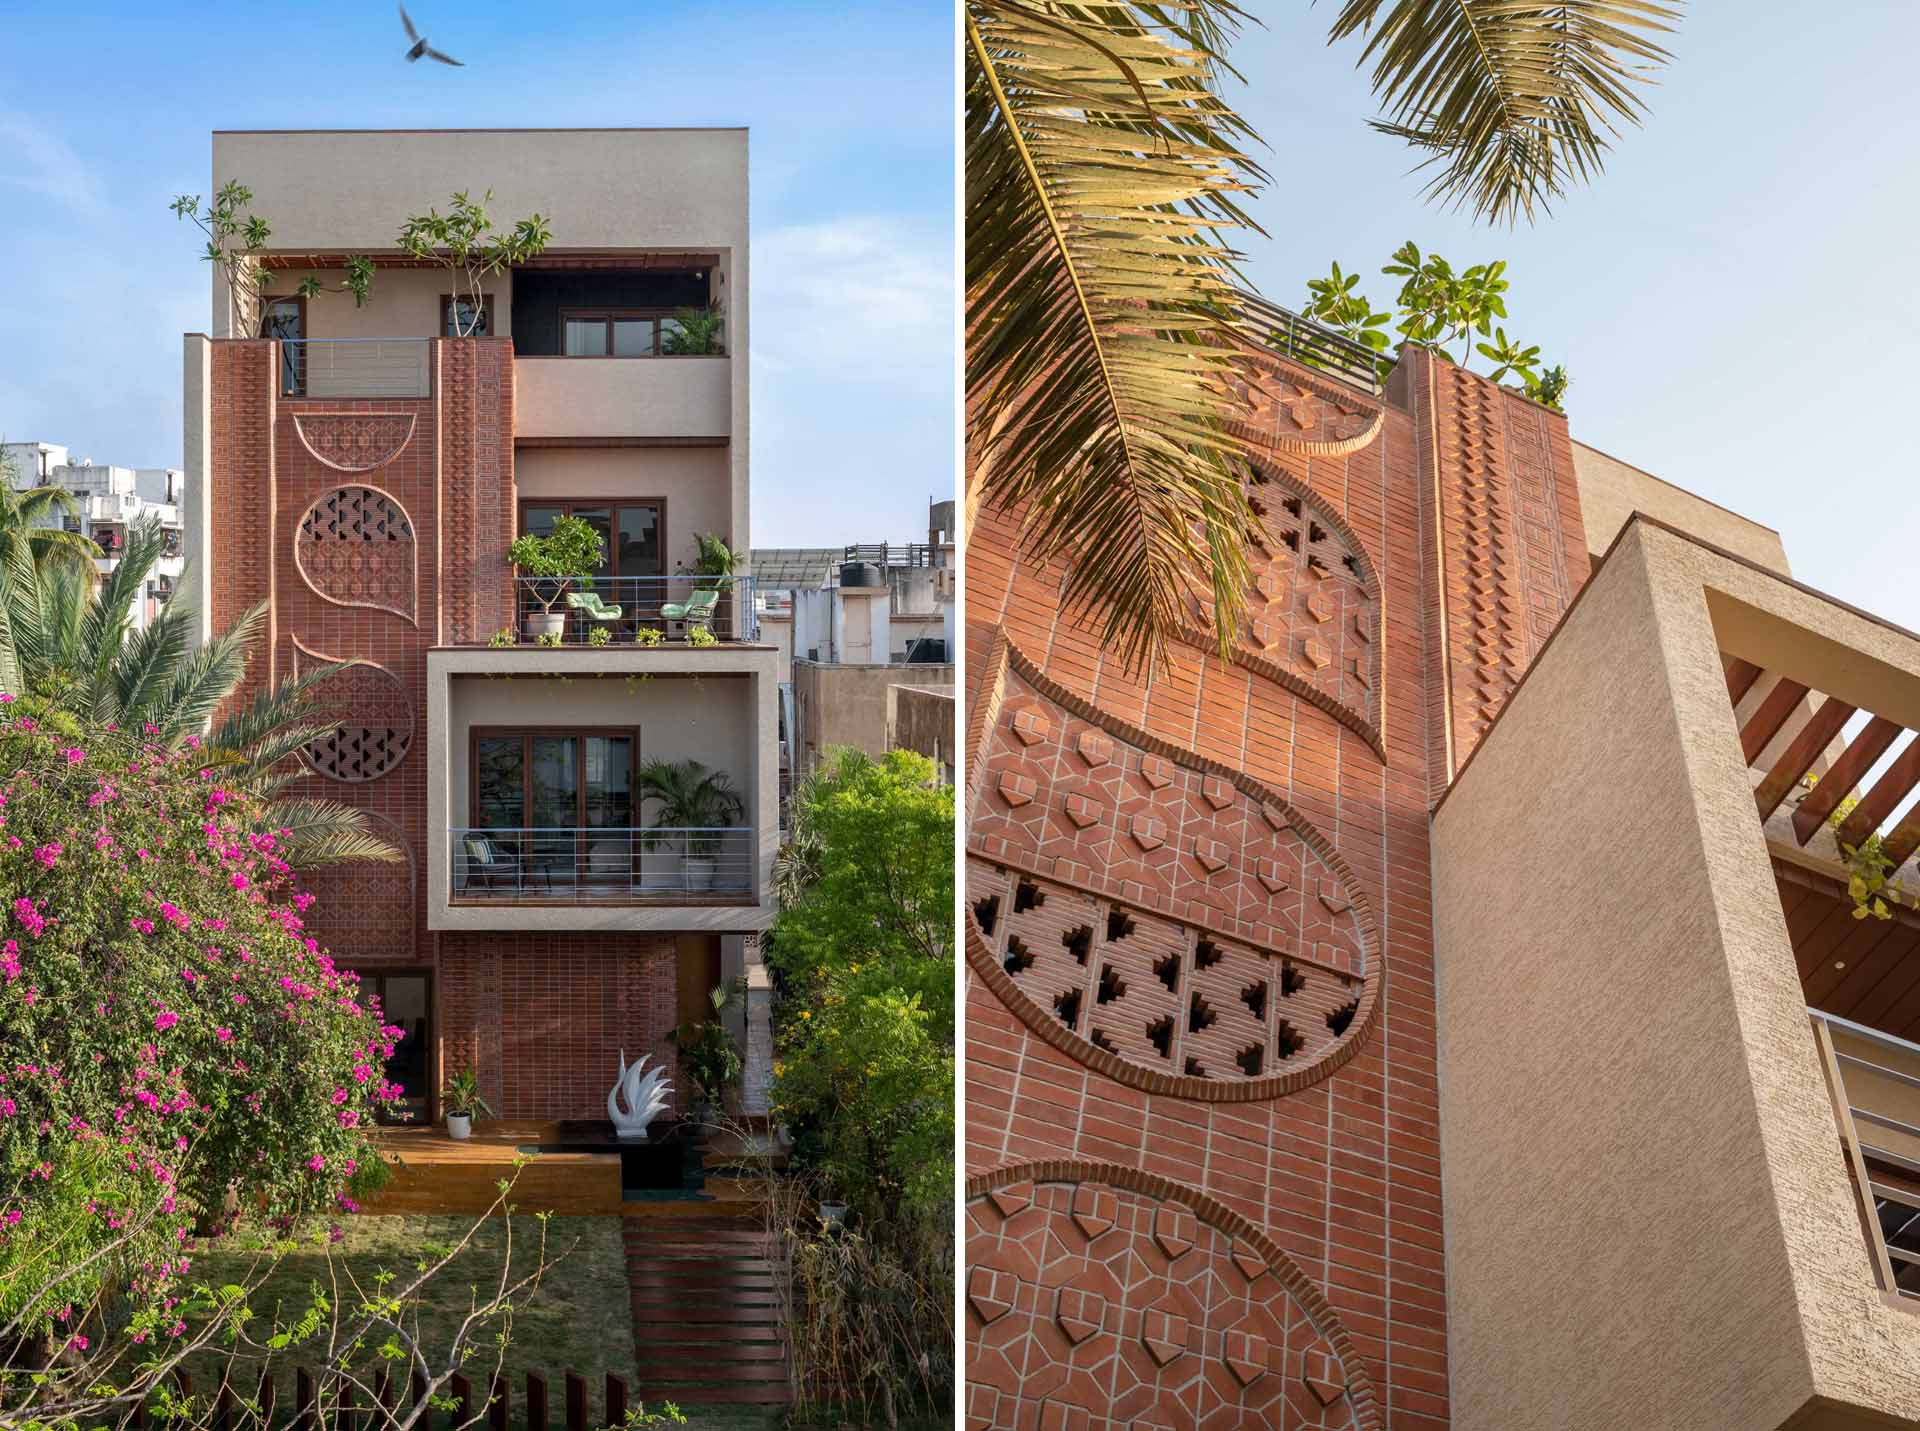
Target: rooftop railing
<point x="1305" y="341"/>
<point x="1874" y="1080"/>
<point x="600" y="865"/>
<point x="635" y="610"/>
<point x="356" y="367"/>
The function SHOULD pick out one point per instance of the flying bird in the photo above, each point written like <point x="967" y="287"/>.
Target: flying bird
<point x="421" y="48"/>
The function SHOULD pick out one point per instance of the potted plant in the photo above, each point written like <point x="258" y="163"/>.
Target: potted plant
<point x="572" y="551"/>
<point x="701" y="802"/>
<point x="708" y="1054"/>
<point x="461" y="1098"/>
<point x="712" y="558"/>
<point x="693" y="332"/>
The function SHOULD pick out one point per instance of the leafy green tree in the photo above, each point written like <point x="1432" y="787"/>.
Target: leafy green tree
<point x="236" y="246"/>
<point x="1438" y="307"/>
<point x="466" y="243"/>
<point x="863" y="947"/>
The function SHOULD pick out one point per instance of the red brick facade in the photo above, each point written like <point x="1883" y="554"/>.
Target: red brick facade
<point x="1222" y="871"/>
<point x="375" y="530"/>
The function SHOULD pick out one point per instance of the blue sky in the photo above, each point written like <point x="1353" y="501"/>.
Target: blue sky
<point x="1736" y="298"/>
<point x="852" y="182"/>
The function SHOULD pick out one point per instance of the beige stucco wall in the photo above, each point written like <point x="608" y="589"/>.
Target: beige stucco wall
<point x="623" y="397"/>
<point x="1648" y="1222"/>
<point x="922" y="719"/>
<point x="403" y="303"/>
<point x="692" y="480"/>
<point x="1612" y="491"/>
<point x="847" y="705"/>
<point x="727" y="715"/>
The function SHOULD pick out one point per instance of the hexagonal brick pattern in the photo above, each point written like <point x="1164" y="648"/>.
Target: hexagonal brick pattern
<point x="1149" y="1325"/>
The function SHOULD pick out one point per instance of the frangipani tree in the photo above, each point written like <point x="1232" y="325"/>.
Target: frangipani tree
<point x="465" y="242"/>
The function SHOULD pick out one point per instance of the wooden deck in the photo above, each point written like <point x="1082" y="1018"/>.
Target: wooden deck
<point x="437" y="1174"/>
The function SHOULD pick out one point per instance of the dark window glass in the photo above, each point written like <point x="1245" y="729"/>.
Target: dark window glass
<point x="639" y="547"/>
<point x="633" y="337"/>
<point x="586" y="337"/>
<point x="460" y="311"/>
<point x="609" y="781"/>
<point x="556" y="782"/>
<point x="501" y="774"/>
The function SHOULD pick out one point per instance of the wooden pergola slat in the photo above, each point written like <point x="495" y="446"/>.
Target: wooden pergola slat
<point x="1740" y="678"/>
<point x="1765" y="723"/>
<point x="1893" y="786"/>
<point x="1852" y="766"/>
<point x="1801" y="752"/>
<point x="1902" y="841"/>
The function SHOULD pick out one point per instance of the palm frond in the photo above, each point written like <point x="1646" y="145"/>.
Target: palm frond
<point x="150" y="659"/>
<point x="276" y="706"/>
<point x="208" y="677"/>
<point x="1102" y="173"/>
<point x="108" y="619"/>
<point x="325" y="832"/>
<point x="1512" y="100"/>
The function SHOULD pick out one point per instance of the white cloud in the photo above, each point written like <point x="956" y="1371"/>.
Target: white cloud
<point x="41" y="162"/>
<point x="871" y="297"/>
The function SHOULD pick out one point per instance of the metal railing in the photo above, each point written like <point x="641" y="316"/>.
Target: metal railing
<point x="1874" y="1081"/>
<point x="1305" y="341"/>
<point x="628" y="608"/>
<point x="886" y="554"/>
<point x="356" y="367"/>
<point x="604" y="865"/>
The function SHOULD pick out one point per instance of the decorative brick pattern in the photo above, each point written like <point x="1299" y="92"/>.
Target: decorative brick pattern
<point x="376" y="721"/>
<point x="354" y="441"/>
<point x="356" y="546"/>
<point x="1338" y="1172"/>
<point x="1102" y="1298"/>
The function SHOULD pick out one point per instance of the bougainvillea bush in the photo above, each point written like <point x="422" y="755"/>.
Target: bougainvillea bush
<point x="176" y="1052"/>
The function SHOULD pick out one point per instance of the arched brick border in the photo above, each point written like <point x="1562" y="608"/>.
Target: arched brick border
<point x="1210" y="1210"/>
<point x="1005" y="656"/>
<point x="301" y="651"/>
<point x="411" y="617"/>
<point x="301" y="419"/>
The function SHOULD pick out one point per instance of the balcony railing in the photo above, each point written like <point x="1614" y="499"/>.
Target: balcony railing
<point x="1874" y="1079"/>
<point x="1305" y="341"/>
<point x="627" y="608"/>
<point x="356" y="367"/>
<point x="606" y="865"/>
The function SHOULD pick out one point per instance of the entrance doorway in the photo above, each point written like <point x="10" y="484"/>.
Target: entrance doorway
<point x="406" y="1001"/>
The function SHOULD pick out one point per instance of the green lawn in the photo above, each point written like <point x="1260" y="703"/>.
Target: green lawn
<point x="578" y="1320"/>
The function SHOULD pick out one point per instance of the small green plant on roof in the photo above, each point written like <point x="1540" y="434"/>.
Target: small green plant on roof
<point x="236" y="244"/>
<point x="599" y="636"/>
<point x="549" y="639"/>
<point x="701" y="636"/>
<point x="693" y="332"/>
<point x="1869" y="868"/>
<point x="502" y="638"/>
<point x="1439" y="308"/>
<point x="649" y="636"/>
<point x="465" y="242"/>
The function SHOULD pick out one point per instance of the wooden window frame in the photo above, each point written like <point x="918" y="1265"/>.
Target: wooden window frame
<point x="607" y="315"/>
<point x="527" y="733"/>
<point x="415" y="971"/>
<point x="659" y="504"/>
<point x="446" y="313"/>
<point x="299" y="301"/>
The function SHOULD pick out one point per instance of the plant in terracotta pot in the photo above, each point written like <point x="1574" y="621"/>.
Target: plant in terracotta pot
<point x="461" y="1099"/>
<point x="696" y="800"/>
<point x="572" y="551"/>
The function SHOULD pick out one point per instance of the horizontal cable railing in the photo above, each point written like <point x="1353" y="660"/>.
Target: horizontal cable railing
<point x="891" y="553"/>
<point x="1305" y="341"/>
<point x="1874" y="1080"/>
<point x="634" y="610"/>
<point x="356" y="367"/>
<point x="600" y="865"/>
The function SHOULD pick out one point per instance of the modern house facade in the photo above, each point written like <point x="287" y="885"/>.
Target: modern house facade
<point x="363" y="470"/>
<point x="109" y="501"/>
<point x="1449" y="1009"/>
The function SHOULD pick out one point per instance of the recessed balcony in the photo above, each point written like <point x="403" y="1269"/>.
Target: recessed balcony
<point x="617" y="865"/>
<point x="644" y="611"/>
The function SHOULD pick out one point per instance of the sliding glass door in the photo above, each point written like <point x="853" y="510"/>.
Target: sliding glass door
<point x="542" y="794"/>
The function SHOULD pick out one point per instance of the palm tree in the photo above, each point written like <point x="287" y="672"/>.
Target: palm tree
<point x="24" y="535"/>
<point x="691" y="797"/>
<point x="76" y="645"/>
<point x="1103" y="174"/>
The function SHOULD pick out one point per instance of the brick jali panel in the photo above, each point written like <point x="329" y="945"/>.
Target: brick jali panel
<point x="1446" y="474"/>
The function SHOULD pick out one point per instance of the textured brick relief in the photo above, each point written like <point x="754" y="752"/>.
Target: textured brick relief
<point x="355" y="546"/>
<point x="1164" y="919"/>
<point x="376" y="720"/>
<point x="354" y="441"/>
<point x="1301" y="413"/>
<point x="1106" y="1299"/>
<point x="363" y="911"/>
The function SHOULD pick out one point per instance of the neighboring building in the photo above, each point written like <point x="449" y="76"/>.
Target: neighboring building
<point x="109" y="501"/>
<point x="364" y="473"/>
<point x="920" y="719"/>
<point x="1360" y="1037"/>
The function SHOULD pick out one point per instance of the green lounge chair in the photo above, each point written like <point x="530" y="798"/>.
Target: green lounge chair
<point x="590" y="603"/>
<point x="696" y="610"/>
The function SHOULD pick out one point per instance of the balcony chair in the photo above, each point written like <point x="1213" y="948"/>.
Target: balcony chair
<point x="696" y="610"/>
<point x="494" y="864"/>
<point x="589" y="604"/>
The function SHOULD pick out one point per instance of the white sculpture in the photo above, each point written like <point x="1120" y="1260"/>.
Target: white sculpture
<point x="644" y="1094"/>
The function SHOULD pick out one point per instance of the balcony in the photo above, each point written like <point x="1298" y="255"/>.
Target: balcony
<point x="1674" y="1198"/>
<point x="637" y="610"/>
<point x="689" y="398"/>
<point x="356" y="367"/>
<point x="619" y="866"/>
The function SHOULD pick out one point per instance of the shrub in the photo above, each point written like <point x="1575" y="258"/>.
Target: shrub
<point x="177" y="1046"/>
